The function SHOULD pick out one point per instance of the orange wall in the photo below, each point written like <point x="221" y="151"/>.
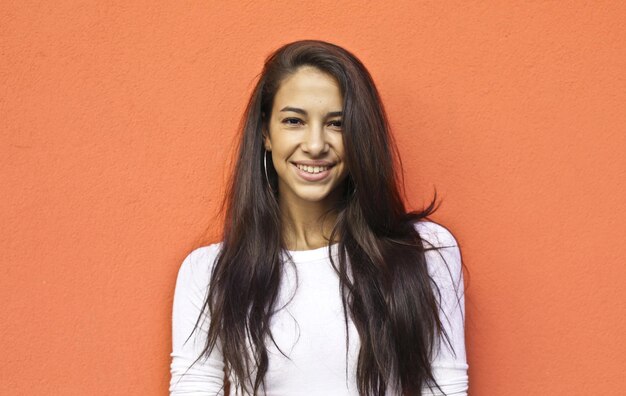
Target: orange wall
<point x="116" y="124"/>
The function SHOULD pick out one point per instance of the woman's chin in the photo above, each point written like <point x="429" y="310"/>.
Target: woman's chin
<point x="313" y="197"/>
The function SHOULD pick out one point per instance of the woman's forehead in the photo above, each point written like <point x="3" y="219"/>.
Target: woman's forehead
<point x="309" y="88"/>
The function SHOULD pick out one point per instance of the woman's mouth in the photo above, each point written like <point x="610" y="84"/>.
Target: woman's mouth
<point x="313" y="169"/>
<point x="312" y="173"/>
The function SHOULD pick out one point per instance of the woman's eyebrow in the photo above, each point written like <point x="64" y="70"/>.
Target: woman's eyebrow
<point x="303" y="112"/>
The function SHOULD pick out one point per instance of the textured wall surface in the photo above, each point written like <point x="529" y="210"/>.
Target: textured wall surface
<point x="116" y="125"/>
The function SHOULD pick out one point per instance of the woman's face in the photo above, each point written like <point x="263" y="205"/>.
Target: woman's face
<point x="306" y="128"/>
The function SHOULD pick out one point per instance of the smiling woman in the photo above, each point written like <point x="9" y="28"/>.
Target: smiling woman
<point x="306" y="142"/>
<point x="323" y="284"/>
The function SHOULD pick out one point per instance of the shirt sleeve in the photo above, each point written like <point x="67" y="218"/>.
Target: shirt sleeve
<point x="444" y="265"/>
<point x="205" y="377"/>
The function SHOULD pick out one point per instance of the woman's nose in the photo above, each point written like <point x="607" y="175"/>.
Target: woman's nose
<point x="315" y="141"/>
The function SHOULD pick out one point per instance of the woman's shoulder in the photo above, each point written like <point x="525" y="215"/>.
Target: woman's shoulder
<point x="435" y="234"/>
<point x="442" y="252"/>
<point x="197" y="265"/>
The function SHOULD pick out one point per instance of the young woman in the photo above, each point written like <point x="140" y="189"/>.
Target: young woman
<point x="323" y="283"/>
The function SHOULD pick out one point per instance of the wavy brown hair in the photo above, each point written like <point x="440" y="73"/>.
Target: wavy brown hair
<point x="389" y="294"/>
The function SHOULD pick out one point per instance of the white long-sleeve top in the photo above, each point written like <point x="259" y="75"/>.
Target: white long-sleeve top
<point x="310" y="329"/>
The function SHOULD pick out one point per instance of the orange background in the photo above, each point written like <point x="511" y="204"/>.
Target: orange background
<point x="117" y="121"/>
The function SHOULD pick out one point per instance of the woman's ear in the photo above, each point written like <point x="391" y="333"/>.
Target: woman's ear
<point x="265" y="131"/>
<point x="266" y="139"/>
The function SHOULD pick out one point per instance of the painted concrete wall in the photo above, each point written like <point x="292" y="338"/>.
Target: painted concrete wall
<point x="117" y="120"/>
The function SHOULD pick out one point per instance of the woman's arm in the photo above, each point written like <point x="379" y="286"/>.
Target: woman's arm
<point x="449" y="366"/>
<point x="205" y="377"/>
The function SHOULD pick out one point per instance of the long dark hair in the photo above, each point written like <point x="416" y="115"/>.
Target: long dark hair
<point x="388" y="295"/>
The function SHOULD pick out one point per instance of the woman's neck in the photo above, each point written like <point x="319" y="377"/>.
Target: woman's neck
<point x="307" y="225"/>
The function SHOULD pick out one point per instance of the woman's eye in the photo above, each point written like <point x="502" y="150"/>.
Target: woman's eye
<point x="291" y="121"/>
<point x="297" y="121"/>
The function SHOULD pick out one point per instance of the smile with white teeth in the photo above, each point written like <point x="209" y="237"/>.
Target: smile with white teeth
<point x="312" y="169"/>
